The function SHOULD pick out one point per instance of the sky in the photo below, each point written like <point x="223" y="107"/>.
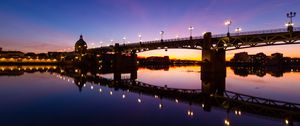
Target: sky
<point x="53" y="25"/>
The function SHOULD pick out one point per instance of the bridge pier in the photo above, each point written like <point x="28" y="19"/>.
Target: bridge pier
<point x="123" y="63"/>
<point x="213" y="70"/>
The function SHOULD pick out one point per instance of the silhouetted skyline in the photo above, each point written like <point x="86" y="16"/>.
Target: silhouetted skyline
<point x="42" y="26"/>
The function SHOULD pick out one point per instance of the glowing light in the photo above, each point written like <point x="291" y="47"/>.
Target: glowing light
<point x="139" y="100"/>
<point x="176" y="100"/>
<point x="110" y="92"/>
<point x="191" y="28"/>
<point x="237" y="112"/>
<point x="238" y="29"/>
<point x="286" y="122"/>
<point x="160" y="106"/>
<point x="100" y="90"/>
<point x="92" y="87"/>
<point x="289" y="24"/>
<point x="228" y="22"/>
<point x="123" y="96"/>
<point x="227" y="123"/>
<point x="190" y="113"/>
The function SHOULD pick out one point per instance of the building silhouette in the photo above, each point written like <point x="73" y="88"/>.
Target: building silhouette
<point x="81" y="46"/>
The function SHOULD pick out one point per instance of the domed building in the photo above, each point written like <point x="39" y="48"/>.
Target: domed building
<point x="80" y="46"/>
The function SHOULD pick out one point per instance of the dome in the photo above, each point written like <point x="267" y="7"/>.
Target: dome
<point x="80" y="42"/>
<point x="80" y="45"/>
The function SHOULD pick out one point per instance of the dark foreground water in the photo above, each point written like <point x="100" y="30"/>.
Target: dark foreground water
<point x="48" y="95"/>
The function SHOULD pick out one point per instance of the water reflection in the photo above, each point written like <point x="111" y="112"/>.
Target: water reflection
<point x="262" y="71"/>
<point x="213" y="93"/>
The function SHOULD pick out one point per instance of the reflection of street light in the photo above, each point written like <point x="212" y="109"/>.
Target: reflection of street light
<point x="228" y="23"/>
<point x="160" y="105"/>
<point x="226" y="122"/>
<point x="190" y="112"/>
<point x="139" y="98"/>
<point x="286" y="121"/>
<point x="191" y="31"/>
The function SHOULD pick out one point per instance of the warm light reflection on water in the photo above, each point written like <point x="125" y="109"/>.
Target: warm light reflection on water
<point x="285" y="88"/>
<point x="52" y="93"/>
<point x="186" y="77"/>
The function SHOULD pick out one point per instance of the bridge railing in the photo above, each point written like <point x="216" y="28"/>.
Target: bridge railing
<point x="215" y="36"/>
<point x="256" y="32"/>
<point x="232" y="34"/>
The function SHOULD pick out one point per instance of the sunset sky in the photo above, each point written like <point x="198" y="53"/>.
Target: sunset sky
<point x="52" y="25"/>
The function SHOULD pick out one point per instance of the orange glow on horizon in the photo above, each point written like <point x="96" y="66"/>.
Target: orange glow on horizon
<point x="188" y="54"/>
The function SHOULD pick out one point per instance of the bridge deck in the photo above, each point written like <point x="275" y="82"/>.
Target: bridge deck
<point x="235" y="41"/>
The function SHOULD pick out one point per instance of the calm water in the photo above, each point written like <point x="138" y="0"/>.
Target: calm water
<point x="48" y="95"/>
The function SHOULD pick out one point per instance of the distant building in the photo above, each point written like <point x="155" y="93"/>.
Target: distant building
<point x="275" y="59"/>
<point x="156" y="60"/>
<point x="11" y="54"/>
<point x="30" y="55"/>
<point x="80" y="46"/>
<point x="258" y="59"/>
<point x="291" y="61"/>
<point x="0" y="49"/>
<point x="240" y="57"/>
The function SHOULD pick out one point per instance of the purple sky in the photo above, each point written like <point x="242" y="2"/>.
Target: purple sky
<point x="50" y="25"/>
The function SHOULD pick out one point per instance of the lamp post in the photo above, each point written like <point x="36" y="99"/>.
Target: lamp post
<point x="291" y="15"/>
<point x="124" y="40"/>
<point x="290" y="24"/>
<point x="191" y="31"/>
<point x="161" y="35"/>
<point x="112" y="42"/>
<point x="228" y="23"/>
<point x="101" y="44"/>
<point x="93" y="45"/>
<point x="140" y="38"/>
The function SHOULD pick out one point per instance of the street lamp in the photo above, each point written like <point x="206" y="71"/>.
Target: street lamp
<point x="112" y="42"/>
<point x="291" y="15"/>
<point x="290" y="24"/>
<point x="238" y="30"/>
<point x="124" y="40"/>
<point x="101" y="44"/>
<point x="161" y="35"/>
<point x="228" y="23"/>
<point x="140" y="37"/>
<point x="191" y="30"/>
<point x="93" y="45"/>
